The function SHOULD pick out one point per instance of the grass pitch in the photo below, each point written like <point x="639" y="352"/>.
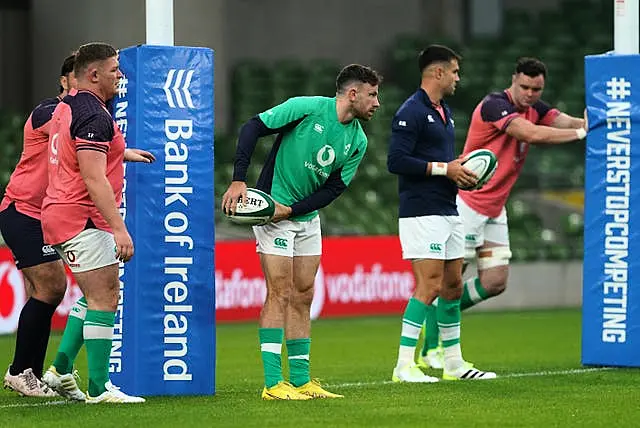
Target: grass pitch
<point x="536" y="355"/>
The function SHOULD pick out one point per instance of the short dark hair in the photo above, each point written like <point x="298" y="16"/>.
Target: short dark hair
<point x="531" y="67"/>
<point x="90" y="53"/>
<point x="357" y="73"/>
<point x="67" y="67"/>
<point x="436" y="53"/>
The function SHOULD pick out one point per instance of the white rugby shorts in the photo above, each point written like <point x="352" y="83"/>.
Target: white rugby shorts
<point x="479" y="228"/>
<point x="290" y="238"/>
<point x="90" y="249"/>
<point x="432" y="237"/>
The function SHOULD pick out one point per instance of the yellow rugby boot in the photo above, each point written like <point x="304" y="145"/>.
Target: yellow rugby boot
<point x="283" y="391"/>
<point x="313" y="389"/>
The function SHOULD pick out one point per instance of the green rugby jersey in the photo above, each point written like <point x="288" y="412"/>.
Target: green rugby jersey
<point x="313" y="145"/>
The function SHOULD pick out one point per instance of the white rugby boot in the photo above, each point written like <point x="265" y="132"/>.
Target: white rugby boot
<point x="65" y="384"/>
<point x="411" y="373"/>
<point x="113" y="395"/>
<point x="27" y="384"/>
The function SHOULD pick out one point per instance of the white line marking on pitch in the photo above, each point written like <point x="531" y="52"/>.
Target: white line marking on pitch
<point x="43" y="403"/>
<point x="508" y="375"/>
<point x="559" y="372"/>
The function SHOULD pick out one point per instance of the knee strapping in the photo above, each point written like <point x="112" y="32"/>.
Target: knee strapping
<point x="493" y="257"/>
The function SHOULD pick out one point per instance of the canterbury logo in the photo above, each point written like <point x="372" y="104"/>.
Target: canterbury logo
<point x="435" y="247"/>
<point x="280" y="242"/>
<point x="48" y="250"/>
<point x="179" y="88"/>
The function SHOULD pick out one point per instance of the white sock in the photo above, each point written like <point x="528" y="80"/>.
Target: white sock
<point x="453" y="357"/>
<point x="405" y="355"/>
<point x="409" y="336"/>
<point x="452" y="354"/>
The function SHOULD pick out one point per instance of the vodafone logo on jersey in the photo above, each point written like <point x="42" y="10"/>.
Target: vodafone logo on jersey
<point x="12" y="296"/>
<point x="53" y="150"/>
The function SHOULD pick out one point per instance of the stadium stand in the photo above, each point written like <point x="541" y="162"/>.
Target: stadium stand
<point x="545" y="219"/>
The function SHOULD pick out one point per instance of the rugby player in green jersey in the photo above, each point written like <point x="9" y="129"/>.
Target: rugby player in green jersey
<point x="318" y="148"/>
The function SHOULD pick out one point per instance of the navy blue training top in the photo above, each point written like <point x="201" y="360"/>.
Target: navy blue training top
<point x="419" y="135"/>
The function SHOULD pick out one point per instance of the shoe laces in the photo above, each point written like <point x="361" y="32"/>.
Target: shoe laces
<point x="288" y="385"/>
<point x="44" y="387"/>
<point x="111" y="387"/>
<point x="115" y="390"/>
<point x="30" y="379"/>
<point x="33" y="383"/>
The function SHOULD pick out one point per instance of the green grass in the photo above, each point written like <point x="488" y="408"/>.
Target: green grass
<point x="362" y="352"/>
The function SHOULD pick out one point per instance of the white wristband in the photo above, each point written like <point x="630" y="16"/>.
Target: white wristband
<point x="581" y="133"/>
<point x="438" y="168"/>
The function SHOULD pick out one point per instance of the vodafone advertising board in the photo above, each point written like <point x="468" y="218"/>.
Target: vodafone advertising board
<point x="13" y="296"/>
<point x="357" y="276"/>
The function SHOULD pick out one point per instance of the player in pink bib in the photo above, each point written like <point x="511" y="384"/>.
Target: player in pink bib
<point x="80" y="219"/>
<point x="40" y="265"/>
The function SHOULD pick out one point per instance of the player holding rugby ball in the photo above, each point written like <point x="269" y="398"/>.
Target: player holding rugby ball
<point x="506" y="123"/>
<point x="422" y="153"/>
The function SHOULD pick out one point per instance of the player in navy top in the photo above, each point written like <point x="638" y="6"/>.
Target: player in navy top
<point x="422" y="153"/>
<point x="422" y="134"/>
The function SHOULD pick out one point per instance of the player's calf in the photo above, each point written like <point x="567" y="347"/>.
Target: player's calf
<point x="493" y="281"/>
<point x="493" y="271"/>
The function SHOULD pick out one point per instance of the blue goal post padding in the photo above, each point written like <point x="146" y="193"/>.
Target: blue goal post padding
<point x="611" y="312"/>
<point x="164" y="337"/>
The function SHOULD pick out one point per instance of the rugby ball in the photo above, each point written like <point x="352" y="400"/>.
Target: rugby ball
<point x="258" y="209"/>
<point x="483" y="163"/>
